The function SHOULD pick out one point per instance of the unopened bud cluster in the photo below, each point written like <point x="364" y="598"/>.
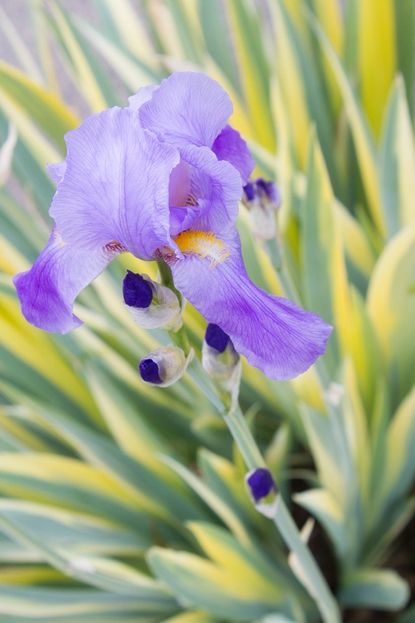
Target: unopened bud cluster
<point x="155" y="306"/>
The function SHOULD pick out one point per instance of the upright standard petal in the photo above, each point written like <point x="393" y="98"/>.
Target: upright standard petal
<point x="47" y="291"/>
<point x="272" y="332"/>
<point x="116" y="185"/>
<point x="187" y="108"/>
<point x="230" y="146"/>
<point x="215" y="188"/>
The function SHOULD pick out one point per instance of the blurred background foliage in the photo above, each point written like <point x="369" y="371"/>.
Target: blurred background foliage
<point x="120" y="502"/>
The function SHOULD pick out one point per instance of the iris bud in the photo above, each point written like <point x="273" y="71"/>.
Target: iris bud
<point x="249" y="192"/>
<point x="262" y="489"/>
<point x="260" y="483"/>
<point x="137" y="291"/>
<point x="151" y="304"/>
<point x="150" y="371"/>
<point x="164" y="366"/>
<point x="216" y="338"/>
<point x="262" y="199"/>
<point x="268" y="192"/>
<point x="220" y="360"/>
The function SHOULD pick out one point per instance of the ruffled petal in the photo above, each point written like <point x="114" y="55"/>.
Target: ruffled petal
<point x="47" y="291"/>
<point x="217" y="187"/>
<point x="57" y="171"/>
<point x="230" y="146"/>
<point x="272" y="332"/>
<point x="187" y="108"/>
<point x="142" y="96"/>
<point x="116" y="185"/>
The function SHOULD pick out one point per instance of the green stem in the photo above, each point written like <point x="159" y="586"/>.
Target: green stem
<point x="179" y="337"/>
<point x="244" y="439"/>
<point x="315" y="581"/>
<point x="167" y="278"/>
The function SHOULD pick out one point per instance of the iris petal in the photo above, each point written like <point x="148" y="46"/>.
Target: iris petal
<point x="180" y="219"/>
<point x="116" y="185"/>
<point x="217" y="187"/>
<point x="187" y="108"/>
<point x="230" y="146"/>
<point x="47" y="291"/>
<point x="57" y="171"/>
<point x="112" y="195"/>
<point x="273" y="333"/>
<point x="142" y="96"/>
<point x="179" y="185"/>
<point x="190" y="110"/>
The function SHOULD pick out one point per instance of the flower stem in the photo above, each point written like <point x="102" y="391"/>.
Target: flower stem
<point x="167" y="278"/>
<point x="179" y="337"/>
<point x="314" y="580"/>
<point x="243" y="438"/>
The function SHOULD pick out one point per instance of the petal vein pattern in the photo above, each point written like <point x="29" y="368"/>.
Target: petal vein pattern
<point x="273" y="333"/>
<point x="116" y="185"/>
<point x="47" y="291"/>
<point x="187" y="108"/>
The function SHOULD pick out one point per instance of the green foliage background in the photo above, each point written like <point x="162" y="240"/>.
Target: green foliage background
<point x="120" y="502"/>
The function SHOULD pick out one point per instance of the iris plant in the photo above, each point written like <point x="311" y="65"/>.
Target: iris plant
<point x="162" y="179"/>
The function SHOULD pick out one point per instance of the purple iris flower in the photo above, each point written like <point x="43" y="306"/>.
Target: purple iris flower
<point x="162" y="179"/>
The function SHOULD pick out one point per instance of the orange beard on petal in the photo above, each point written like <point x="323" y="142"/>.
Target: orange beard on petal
<point x="203" y="244"/>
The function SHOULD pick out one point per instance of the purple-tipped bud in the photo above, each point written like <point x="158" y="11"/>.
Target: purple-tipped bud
<point x="149" y="371"/>
<point x="220" y="359"/>
<point x="262" y="198"/>
<point x="269" y="189"/>
<point x="151" y="304"/>
<point x="137" y="291"/>
<point x="249" y="191"/>
<point x="216" y="338"/>
<point x="260" y="483"/>
<point x="164" y="366"/>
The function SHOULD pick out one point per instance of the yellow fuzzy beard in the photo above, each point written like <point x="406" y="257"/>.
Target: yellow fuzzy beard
<point x="204" y="244"/>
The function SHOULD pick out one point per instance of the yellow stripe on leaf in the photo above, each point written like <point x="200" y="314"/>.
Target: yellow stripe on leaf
<point x="376" y="56"/>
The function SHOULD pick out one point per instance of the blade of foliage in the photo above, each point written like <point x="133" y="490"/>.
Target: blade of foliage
<point x="381" y="589"/>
